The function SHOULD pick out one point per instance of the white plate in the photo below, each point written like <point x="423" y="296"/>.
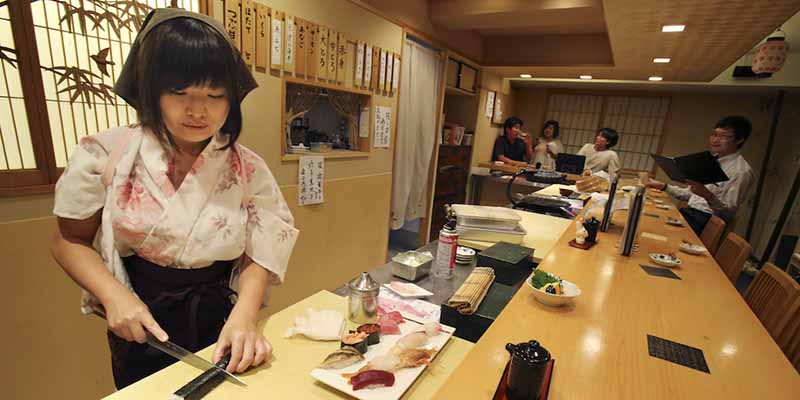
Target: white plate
<point x="665" y="260"/>
<point x="464" y="252"/>
<point x="695" y="249"/>
<point x="406" y="289"/>
<point x="674" y="221"/>
<point x="662" y="206"/>
<point x="403" y="379"/>
<point x="571" y="291"/>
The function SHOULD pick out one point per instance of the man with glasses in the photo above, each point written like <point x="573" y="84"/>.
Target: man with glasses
<point x="722" y="199"/>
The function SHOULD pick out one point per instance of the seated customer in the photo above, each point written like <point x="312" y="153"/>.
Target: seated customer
<point x="514" y="146"/>
<point x="722" y="199"/>
<point x="598" y="156"/>
<point x="548" y="146"/>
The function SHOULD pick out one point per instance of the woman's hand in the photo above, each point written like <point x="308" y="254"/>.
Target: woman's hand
<point x="247" y="344"/>
<point x="129" y="318"/>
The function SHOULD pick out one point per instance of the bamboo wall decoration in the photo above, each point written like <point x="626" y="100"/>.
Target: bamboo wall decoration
<point x="262" y="35"/>
<point x="333" y="50"/>
<point x="248" y="32"/>
<point x="341" y="57"/>
<point x="322" y="49"/>
<point x="276" y="37"/>
<point x="313" y="53"/>
<point x="289" y="45"/>
<point x="358" y="65"/>
<point x="300" y="47"/>
<point x="368" y="50"/>
<point x="233" y="21"/>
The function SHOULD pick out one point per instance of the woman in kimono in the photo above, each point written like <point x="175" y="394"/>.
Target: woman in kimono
<point x="170" y="225"/>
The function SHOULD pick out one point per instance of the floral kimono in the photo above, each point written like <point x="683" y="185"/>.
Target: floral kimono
<point x="229" y="204"/>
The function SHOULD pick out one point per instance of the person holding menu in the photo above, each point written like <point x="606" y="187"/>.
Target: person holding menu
<point x="722" y="199"/>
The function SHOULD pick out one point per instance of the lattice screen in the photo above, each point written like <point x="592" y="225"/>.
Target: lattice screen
<point x="82" y="46"/>
<point x="15" y="136"/>
<point x="639" y="120"/>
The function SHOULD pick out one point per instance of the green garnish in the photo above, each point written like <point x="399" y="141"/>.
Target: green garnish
<point x="541" y="278"/>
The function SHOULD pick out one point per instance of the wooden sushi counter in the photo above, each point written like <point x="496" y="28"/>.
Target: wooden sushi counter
<point x="600" y="342"/>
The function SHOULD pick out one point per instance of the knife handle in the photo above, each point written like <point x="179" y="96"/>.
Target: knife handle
<point x="198" y="387"/>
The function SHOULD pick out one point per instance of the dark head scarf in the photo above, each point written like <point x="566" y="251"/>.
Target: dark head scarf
<point x="126" y="86"/>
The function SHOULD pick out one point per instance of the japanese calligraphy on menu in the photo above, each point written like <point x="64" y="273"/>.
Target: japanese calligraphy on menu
<point x="276" y="46"/>
<point x="322" y="48"/>
<point x="262" y="35"/>
<point x="383" y="127"/>
<point x="248" y="32"/>
<point x="387" y="86"/>
<point x="489" y="112"/>
<point x="333" y="49"/>
<point x="395" y="73"/>
<point x="341" y="56"/>
<point x="358" y="79"/>
<point x="367" y="66"/>
<point x="300" y="47"/>
<point x="376" y="61"/>
<point x="288" y="48"/>
<point x="311" y="176"/>
<point x="311" y="44"/>
<point x="382" y="72"/>
<point x="232" y="21"/>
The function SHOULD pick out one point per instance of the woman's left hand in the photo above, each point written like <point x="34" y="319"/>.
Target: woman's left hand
<point x="247" y="344"/>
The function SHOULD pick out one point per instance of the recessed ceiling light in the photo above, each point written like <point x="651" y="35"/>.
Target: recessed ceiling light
<point x="525" y="75"/>
<point x="661" y="60"/>
<point x="655" y="78"/>
<point x="673" y="28"/>
<point x="586" y="77"/>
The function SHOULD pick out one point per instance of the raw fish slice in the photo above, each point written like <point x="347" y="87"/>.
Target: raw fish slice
<point x="388" y="326"/>
<point x="344" y="357"/>
<point x="372" y="378"/>
<point x="411" y="341"/>
<point x="432" y="329"/>
<point x="394" y="315"/>
<point x="392" y="305"/>
<point x="390" y="362"/>
<point x="415" y="357"/>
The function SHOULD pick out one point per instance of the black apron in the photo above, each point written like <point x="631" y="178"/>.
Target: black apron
<point x="191" y="305"/>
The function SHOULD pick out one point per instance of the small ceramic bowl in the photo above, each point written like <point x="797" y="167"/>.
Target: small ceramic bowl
<point x="665" y="260"/>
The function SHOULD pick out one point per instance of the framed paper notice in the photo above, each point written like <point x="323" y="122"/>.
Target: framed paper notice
<point x="311" y="175"/>
<point x="490" y="104"/>
<point x="363" y="123"/>
<point x="262" y="35"/>
<point x="497" y="118"/>
<point x="383" y="127"/>
<point x="276" y="36"/>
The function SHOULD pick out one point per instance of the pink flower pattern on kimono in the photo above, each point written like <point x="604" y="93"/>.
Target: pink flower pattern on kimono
<point x="154" y="249"/>
<point x="130" y="231"/>
<point x="92" y="146"/>
<point x="240" y="168"/>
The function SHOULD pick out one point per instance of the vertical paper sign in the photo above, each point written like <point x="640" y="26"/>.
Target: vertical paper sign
<point x="358" y="65"/>
<point x="381" y="72"/>
<point x="262" y="35"/>
<point x="389" y="65"/>
<point x="333" y="49"/>
<point x="248" y="32"/>
<point x="489" y="111"/>
<point x="363" y="123"/>
<point x="311" y="57"/>
<point x="300" y="47"/>
<point x="276" y="34"/>
<point x="288" y="48"/>
<point x="367" y="66"/>
<point x="395" y="73"/>
<point x="233" y="21"/>
<point x="376" y="61"/>
<point x="341" y="57"/>
<point x="383" y="124"/>
<point x="322" y="48"/>
<point x="497" y="118"/>
<point x="311" y="176"/>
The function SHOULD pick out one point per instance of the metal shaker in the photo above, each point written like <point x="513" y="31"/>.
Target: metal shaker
<point x="362" y="304"/>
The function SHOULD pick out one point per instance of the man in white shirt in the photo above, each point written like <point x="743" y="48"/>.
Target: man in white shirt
<point x="722" y="199"/>
<point x="599" y="156"/>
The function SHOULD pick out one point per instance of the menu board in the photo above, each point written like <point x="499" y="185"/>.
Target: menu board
<point x="233" y="22"/>
<point x="395" y="74"/>
<point x="262" y="35"/>
<point x="367" y="66"/>
<point x="311" y="43"/>
<point x="248" y="32"/>
<point x="341" y="57"/>
<point x="311" y="175"/>
<point x="376" y="61"/>
<point x="288" y="48"/>
<point x="381" y="72"/>
<point x="358" y="79"/>
<point x="383" y="127"/>
<point x="333" y="50"/>
<point x="322" y="48"/>
<point x="276" y="43"/>
<point x="300" y="47"/>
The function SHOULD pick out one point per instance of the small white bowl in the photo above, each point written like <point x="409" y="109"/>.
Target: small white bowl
<point x="571" y="291"/>
<point x="465" y="252"/>
<point x="695" y="249"/>
<point x="665" y="260"/>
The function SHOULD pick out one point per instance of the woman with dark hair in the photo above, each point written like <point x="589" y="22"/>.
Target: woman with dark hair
<point x="598" y="155"/>
<point x="171" y="227"/>
<point x="548" y="146"/>
<point x="514" y="146"/>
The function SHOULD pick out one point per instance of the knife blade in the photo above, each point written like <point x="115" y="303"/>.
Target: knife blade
<point x="180" y="353"/>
